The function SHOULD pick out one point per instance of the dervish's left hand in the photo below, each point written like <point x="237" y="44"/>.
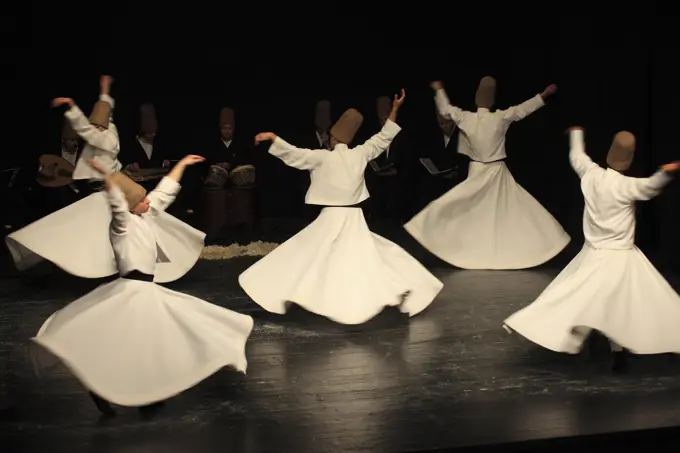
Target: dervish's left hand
<point x="399" y="100"/>
<point x="549" y="91"/>
<point x="671" y="168"/>
<point x="56" y="102"/>
<point x="264" y="136"/>
<point x="191" y="159"/>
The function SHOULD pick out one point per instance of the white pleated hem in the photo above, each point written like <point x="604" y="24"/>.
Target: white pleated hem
<point x="84" y="248"/>
<point x="135" y="343"/>
<point x="618" y="293"/>
<point x="488" y="222"/>
<point x="159" y="394"/>
<point x="337" y="268"/>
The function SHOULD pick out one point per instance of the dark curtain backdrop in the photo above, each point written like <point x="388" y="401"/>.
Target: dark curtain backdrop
<point x="612" y="74"/>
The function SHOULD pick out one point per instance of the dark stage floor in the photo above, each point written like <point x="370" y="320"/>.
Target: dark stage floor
<point x="450" y="377"/>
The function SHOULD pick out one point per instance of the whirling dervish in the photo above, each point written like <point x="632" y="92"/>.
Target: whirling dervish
<point x="132" y="342"/>
<point x="610" y="286"/>
<point x="336" y="267"/>
<point x="488" y="221"/>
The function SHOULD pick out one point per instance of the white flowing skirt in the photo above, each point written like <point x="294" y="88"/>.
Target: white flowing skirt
<point x="488" y="222"/>
<point x="616" y="292"/>
<point x="76" y="238"/>
<point x="337" y="268"/>
<point x="136" y="343"/>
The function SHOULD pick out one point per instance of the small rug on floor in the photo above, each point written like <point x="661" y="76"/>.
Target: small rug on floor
<point x="225" y="252"/>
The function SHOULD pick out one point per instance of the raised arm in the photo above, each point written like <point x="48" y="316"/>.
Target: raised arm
<point x="300" y="158"/>
<point x="106" y="140"/>
<point x="444" y="107"/>
<point x="526" y="108"/>
<point x="120" y="211"/>
<point x="376" y="145"/>
<point x="578" y="158"/>
<point x="166" y="191"/>
<point x="643" y="189"/>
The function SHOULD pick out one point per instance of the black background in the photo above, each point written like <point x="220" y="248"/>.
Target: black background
<point x="614" y="72"/>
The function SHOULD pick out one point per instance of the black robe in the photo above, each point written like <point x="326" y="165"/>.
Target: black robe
<point x="132" y="152"/>
<point x="236" y="154"/>
<point x="443" y="156"/>
<point x="393" y="195"/>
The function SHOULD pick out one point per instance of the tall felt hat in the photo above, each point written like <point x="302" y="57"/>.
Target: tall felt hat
<point x="621" y="153"/>
<point x="347" y="126"/>
<point x="148" y="123"/>
<point x="383" y="106"/>
<point x="227" y="117"/>
<point x="67" y="132"/>
<point x="134" y="193"/>
<point x="486" y="93"/>
<point x="101" y="114"/>
<point x="322" y="115"/>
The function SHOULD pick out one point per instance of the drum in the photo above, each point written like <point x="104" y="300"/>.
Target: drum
<point x="217" y="178"/>
<point x="243" y="176"/>
<point x="213" y="211"/>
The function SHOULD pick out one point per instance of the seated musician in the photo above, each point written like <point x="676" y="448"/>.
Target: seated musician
<point x="142" y="152"/>
<point x="450" y="168"/>
<point x="60" y="197"/>
<point x="390" y="176"/>
<point x="231" y="155"/>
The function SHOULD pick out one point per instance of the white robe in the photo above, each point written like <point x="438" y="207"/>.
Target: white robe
<point x="101" y="146"/>
<point x="336" y="267"/>
<point x="88" y="253"/>
<point x="610" y="286"/>
<point x="488" y="221"/>
<point x="136" y="343"/>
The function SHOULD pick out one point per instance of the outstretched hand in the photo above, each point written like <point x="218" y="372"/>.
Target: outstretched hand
<point x="56" y="102"/>
<point x="399" y="100"/>
<point x="264" y="136"/>
<point x="549" y="91"/>
<point x="191" y="159"/>
<point x="672" y="167"/>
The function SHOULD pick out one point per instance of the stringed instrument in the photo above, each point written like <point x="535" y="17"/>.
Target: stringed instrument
<point x="54" y="171"/>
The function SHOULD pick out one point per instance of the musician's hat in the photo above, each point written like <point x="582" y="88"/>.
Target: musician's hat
<point x="227" y="117"/>
<point x="322" y="115"/>
<point x="148" y="123"/>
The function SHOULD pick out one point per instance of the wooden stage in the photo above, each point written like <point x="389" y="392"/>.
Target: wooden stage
<point x="447" y="379"/>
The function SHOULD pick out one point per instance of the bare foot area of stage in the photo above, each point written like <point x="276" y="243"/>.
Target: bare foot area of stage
<point x="446" y="378"/>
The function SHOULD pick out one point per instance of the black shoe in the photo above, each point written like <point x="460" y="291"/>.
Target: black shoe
<point x="103" y="405"/>
<point x="620" y="364"/>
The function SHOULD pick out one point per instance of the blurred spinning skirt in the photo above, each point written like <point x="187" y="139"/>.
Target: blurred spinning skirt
<point x="488" y="222"/>
<point x="136" y="343"/>
<point x="337" y="268"/>
<point x="616" y="292"/>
